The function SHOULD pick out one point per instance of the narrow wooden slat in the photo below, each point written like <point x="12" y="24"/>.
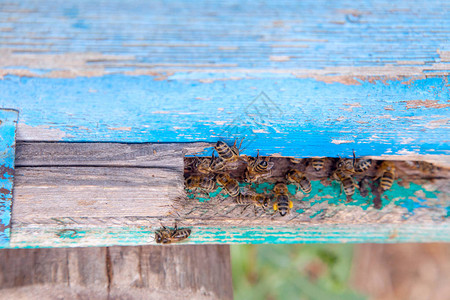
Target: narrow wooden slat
<point x="172" y="272"/>
<point x="98" y="201"/>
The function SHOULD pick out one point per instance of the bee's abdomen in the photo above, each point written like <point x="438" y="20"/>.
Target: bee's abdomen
<point x="283" y="204"/>
<point x="349" y="187"/>
<point x="232" y="189"/>
<point x="224" y="150"/>
<point x="387" y="180"/>
<point x="305" y="185"/>
<point x="317" y="164"/>
<point x="182" y="234"/>
<point x="363" y="165"/>
<point x="208" y="184"/>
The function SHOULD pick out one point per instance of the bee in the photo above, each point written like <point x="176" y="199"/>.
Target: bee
<point x="346" y="182"/>
<point x="361" y="165"/>
<point x="295" y="160"/>
<point x="230" y="185"/>
<point x="203" y="182"/>
<point x="423" y="166"/>
<point x="346" y="166"/>
<point x="282" y="203"/>
<point x="317" y="164"/>
<point x="208" y="165"/>
<point x="167" y="236"/>
<point x="227" y="153"/>
<point x="257" y="167"/>
<point x="301" y="179"/>
<point x="257" y="200"/>
<point x="387" y="174"/>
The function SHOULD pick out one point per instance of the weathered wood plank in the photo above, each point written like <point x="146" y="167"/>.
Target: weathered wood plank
<point x="173" y="272"/>
<point x="99" y="202"/>
<point x="74" y="38"/>
<point x="392" y="117"/>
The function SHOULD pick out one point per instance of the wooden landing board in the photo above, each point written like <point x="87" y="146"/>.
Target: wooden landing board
<point x="144" y="272"/>
<point x="83" y="194"/>
<point x="8" y="121"/>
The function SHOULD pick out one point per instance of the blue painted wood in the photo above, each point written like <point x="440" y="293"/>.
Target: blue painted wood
<point x="281" y="34"/>
<point x="289" y="116"/>
<point x="8" y="120"/>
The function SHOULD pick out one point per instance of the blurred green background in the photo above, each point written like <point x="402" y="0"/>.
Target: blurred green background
<point x="307" y="272"/>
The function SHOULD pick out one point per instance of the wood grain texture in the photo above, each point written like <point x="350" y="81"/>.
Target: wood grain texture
<point x="114" y="194"/>
<point x="172" y="272"/>
<point x="368" y="37"/>
<point x="370" y="76"/>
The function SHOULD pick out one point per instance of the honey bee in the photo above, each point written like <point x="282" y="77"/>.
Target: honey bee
<point x="282" y="203"/>
<point x="387" y="174"/>
<point x="300" y="178"/>
<point x="257" y="167"/>
<point x="346" y="166"/>
<point x="230" y="185"/>
<point x="317" y="164"/>
<point x="211" y="164"/>
<point x="227" y="153"/>
<point x="346" y="182"/>
<point x="361" y="165"/>
<point x="295" y="160"/>
<point x="423" y="166"/>
<point x="256" y="200"/>
<point x="167" y="236"/>
<point x="203" y="182"/>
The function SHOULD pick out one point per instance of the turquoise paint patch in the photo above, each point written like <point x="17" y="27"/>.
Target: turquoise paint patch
<point x="8" y="121"/>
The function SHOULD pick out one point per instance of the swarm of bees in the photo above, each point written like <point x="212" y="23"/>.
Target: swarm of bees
<point x="231" y="171"/>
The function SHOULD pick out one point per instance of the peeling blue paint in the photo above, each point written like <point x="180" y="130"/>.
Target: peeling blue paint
<point x="8" y="121"/>
<point x="301" y="117"/>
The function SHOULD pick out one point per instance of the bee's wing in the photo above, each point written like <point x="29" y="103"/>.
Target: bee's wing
<point x="270" y="165"/>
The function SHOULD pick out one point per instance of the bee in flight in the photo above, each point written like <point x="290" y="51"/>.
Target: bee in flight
<point x="257" y="167"/>
<point x="167" y="236"/>
<point x="386" y="173"/>
<point x="282" y="203"/>
<point x="230" y="185"/>
<point x="299" y="178"/>
<point x="226" y="153"/>
<point x="206" y="183"/>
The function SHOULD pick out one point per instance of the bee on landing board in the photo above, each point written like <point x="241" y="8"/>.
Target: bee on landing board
<point x="257" y="200"/>
<point x="167" y="236"/>
<point x="206" y="183"/>
<point x="207" y="165"/>
<point x="386" y="173"/>
<point x="361" y="165"/>
<point x="226" y="153"/>
<point x="299" y="178"/>
<point x="257" y="168"/>
<point x="282" y="203"/>
<point x="230" y="185"/>
<point x="346" y="181"/>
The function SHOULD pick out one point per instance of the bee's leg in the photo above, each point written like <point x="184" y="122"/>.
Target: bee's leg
<point x="240" y="145"/>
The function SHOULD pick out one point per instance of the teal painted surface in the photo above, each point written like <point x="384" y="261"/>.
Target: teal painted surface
<point x="300" y="117"/>
<point x="8" y="119"/>
<point x="325" y="233"/>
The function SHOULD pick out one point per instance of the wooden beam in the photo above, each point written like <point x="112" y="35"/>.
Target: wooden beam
<point x="172" y="272"/>
<point x="84" y="194"/>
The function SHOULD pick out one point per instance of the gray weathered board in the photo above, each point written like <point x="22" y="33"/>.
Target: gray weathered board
<point x="142" y="272"/>
<point x="97" y="194"/>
